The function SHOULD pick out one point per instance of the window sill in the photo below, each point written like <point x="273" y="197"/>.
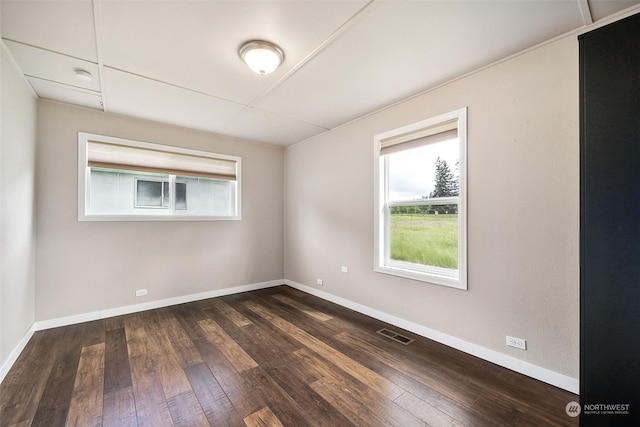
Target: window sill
<point x="122" y="218"/>
<point x="436" y="279"/>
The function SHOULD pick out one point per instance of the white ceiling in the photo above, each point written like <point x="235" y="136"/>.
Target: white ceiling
<point x="177" y="62"/>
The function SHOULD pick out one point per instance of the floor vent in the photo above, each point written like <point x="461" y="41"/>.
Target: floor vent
<point x="395" y="336"/>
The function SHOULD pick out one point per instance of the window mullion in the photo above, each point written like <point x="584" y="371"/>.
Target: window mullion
<point x="172" y="194"/>
<point x="423" y="202"/>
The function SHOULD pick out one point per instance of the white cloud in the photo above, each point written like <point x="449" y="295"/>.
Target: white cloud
<point x="412" y="172"/>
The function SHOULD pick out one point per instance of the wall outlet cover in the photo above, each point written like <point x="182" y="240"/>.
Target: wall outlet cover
<point x="516" y="342"/>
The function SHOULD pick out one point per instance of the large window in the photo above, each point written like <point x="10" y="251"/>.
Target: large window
<point x="129" y="180"/>
<point x="421" y="201"/>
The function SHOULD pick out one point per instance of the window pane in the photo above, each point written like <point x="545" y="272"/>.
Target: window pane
<point x="423" y="235"/>
<point x="149" y="194"/>
<point x="413" y="173"/>
<point x="181" y="195"/>
<point x="205" y="195"/>
<point x="166" y="198"/>
<point x="114" y="192"/>
<point x="128" y="192"/>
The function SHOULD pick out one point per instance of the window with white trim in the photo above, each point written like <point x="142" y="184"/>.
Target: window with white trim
<point x="120" y="179"/>
<point x="420" y="215"/>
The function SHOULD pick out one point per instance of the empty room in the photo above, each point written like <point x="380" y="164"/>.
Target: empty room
<point x="319" y="213"/>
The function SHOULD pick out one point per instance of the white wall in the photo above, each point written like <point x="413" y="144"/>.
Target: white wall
<point x="84" y="267"/>
<point x="523" y="211"/>
<point x="17" y="211"/>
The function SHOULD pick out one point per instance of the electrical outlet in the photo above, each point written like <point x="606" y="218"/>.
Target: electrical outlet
<point x="141" y="292"/>
<point x="516" y="342"/>
<point x="319" y="282"/>
<point x="344" y="269"/>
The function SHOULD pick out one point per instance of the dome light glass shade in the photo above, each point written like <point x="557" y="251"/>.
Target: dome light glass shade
<point x="261" y="56"/>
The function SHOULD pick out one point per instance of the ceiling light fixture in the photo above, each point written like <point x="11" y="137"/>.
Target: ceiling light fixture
<point x="83" y="75"/>
<point x="261" y="56"/>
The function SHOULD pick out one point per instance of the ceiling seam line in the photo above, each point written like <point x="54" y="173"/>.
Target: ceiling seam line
<point x="97" y="27"/>
<point x="174" y="85"/>
<point x="12" y="60"/>
<point x="7" y="39"/>
<point x="585" y="10"/>
<point x="60" y="84"/>
<point x="347" y="24"/>
<point x="227" y="122"/>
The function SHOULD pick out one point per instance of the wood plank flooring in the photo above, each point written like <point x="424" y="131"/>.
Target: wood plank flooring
<point x="274" y="357"/>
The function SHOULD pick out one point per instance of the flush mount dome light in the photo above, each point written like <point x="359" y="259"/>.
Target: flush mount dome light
<point x="261" y="56"/>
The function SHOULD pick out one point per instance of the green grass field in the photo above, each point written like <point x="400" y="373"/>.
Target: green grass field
<point x="425" y="239"/>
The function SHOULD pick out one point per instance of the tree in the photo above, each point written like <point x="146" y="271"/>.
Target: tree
<point x="446" y="185"/>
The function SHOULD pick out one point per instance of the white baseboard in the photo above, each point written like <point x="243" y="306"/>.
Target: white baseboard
<point x="545" y="375"/>
<point x="128" y="309"/>
<point x="103" y="314"/>
<point x="6" y="366"/>
<point x="509" y="362"/>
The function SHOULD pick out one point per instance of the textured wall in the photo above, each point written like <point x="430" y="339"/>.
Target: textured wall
<point x="84" y="267"/>
<point x="523" y="194"/>
<point x="17" y="211"/>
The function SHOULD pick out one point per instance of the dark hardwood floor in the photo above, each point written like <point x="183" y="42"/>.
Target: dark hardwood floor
<point x="272" y="357"/>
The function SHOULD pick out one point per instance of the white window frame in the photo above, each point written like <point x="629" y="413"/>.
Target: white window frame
<point x="171" y="183"/>
<point x="84" y="183"/>
<point x="150" y="179"/>
<point x="420" y="272"/>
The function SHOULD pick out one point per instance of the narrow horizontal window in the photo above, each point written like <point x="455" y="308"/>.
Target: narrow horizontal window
<point x="130" y="180"/>
<point x="421" y="201"/>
